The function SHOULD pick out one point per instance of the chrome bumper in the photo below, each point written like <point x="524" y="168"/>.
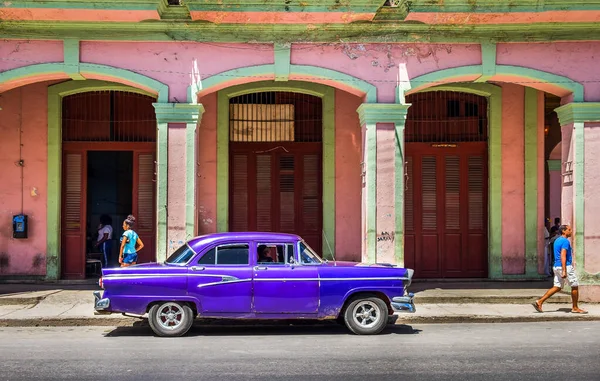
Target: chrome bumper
<point x="404" y="303"/>
<point x="100" y="304"/>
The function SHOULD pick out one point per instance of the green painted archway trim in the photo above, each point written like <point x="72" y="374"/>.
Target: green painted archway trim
<point x="55" y="95"/>
<point x="153" y="87"/>
<point x="268" y="72"/>
<point x="31" y="71"/>
<point x="494" y="95"/>
<point x="529" y="76"/>
<point x="327" y="94"/>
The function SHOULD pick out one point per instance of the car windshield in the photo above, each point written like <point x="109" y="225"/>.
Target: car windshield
<point x="181" y="256"/>
<point x="307" y="254"/>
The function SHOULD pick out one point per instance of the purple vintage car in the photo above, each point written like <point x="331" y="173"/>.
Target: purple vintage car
<point x="255" y="276"/>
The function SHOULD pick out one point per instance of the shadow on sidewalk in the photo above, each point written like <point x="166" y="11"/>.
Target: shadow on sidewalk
<point x="253" y="328"/>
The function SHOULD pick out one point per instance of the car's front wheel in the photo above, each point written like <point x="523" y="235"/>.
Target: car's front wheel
<point x="170" y="318"/>
<point x="366" y="315"/>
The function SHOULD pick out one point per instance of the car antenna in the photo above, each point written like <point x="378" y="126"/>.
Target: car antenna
<point x="329" y="246"/>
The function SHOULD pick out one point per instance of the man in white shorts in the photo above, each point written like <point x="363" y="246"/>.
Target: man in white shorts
<point x="563" y="271"/>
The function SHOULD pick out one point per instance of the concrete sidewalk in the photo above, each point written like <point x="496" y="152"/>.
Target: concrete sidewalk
<point x="72" y="305"/>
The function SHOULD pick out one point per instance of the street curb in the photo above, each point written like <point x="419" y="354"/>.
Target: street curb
<point x="402" y="320"/>
<point x="492" y="319"/>
<point x="558" y="299"/>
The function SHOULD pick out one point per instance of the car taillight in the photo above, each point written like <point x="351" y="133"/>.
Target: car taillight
<point x="100" y="283"/>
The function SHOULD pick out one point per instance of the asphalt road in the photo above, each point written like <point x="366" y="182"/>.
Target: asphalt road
<point x="512" y="351"/>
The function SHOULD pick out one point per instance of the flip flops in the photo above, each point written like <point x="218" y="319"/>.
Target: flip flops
<point x="537" y="307"/>
<point x="583" y="312"/>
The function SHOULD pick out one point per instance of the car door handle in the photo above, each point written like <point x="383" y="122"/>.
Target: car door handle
<point x="195" y="268"/>
<point x="260" y="268"/>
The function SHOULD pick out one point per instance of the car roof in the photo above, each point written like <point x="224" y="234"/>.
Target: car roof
<point x="197" y="242"/>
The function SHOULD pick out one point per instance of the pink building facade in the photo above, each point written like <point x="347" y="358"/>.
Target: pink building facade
<point x="426" y="144"/>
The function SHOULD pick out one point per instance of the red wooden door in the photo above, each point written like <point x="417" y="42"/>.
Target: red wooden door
<point x="73" y="214"/>
<point x="446" y="210"/>
<point x="275" y="190"/>
<point x="144" y="203"/>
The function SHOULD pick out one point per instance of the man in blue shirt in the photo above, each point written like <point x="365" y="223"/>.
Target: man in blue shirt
<point x="563" y="270"/>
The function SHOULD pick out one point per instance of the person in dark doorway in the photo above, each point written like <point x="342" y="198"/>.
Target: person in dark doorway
<point x="563" y="270"/>
<point x="555" y="227"/>
<point x="263" y="254"/>
<point x="104" y="242"/>
<point x="130" y="243"/>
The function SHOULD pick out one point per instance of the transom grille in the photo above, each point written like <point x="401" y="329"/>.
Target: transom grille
<point x="108" y="116"/>
<point x="446" y="117"/>
<point x="275" y="116"/>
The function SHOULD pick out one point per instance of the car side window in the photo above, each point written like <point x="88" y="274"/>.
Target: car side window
<point x="208" y="258"/>
<point x="233" y="255"/>
<point x="236" y="254"/>
<point x="275" y="253"/>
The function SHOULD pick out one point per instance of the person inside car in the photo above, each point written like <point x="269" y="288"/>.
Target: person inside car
<point x="263" y="254"/>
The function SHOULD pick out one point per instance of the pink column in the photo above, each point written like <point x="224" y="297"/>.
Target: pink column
<point x="513" y="179"/>
<point x="348" y="156"/>
<point x="592" y="200"/>
<point x="555" y="188"/>
<point x="206" y="180"/>
<point x="567" y="180"/>
<point x="176" y="186"/>
<point x="386" y="223"/>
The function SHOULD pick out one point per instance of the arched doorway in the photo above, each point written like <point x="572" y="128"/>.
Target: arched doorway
<point x="275" y="161"/>
<point x="108" y="145"/>
<point x="446" y="195"/>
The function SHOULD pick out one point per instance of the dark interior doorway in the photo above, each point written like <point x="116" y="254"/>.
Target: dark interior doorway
<point x="109" y="191"/>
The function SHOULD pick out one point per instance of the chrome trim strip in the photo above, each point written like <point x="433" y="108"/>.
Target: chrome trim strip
<point x="138" y="276"/>
<point x="223" y="282"/>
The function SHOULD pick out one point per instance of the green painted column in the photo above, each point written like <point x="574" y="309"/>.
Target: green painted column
<point x="189" y="114"/>
<point x="531" y="182"/>
<point x="370" y="114"/>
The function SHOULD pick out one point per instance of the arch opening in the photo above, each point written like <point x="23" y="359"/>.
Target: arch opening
<point x="108" y="156"/>
<point x="446" y="185"/>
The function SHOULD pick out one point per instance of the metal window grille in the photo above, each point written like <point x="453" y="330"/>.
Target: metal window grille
<point x="446" y="117"/>
<point x="108" y="116"/>
<point x="275" y="116"/>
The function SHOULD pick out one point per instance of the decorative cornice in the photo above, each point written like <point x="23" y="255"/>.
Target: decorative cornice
<point x="578" y="112"/>
<point x="500" y="6"/>
<point x="364" y="32"/>
<point x="178" y="112"/>
<point x="371" y="113"/>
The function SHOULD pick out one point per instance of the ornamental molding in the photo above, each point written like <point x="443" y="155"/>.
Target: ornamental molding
<point x="178" y="112"/>
<point x="371" y="113"/>
<point x="578" y="112"/>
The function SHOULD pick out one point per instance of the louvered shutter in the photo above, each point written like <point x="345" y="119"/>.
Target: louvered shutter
<point x="263" y="193"/>
<point x="287" y="215"/>
<point x="476" y="193"/>
<point x="429" y="187"/>
<point x="73" y="242"/>
<point x="452" y="192"/>
<point x="144" y="204"/>
<point x="409" y="216"/>
<point x="239" y="193"/>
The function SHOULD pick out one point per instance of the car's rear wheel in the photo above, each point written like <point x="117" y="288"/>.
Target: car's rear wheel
<point x="170" y="318"/>
<point x="366" y="315"/>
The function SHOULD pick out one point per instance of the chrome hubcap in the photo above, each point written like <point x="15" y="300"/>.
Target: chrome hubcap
<point x="170" y="315"/>
<point x="366" y="314"/>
